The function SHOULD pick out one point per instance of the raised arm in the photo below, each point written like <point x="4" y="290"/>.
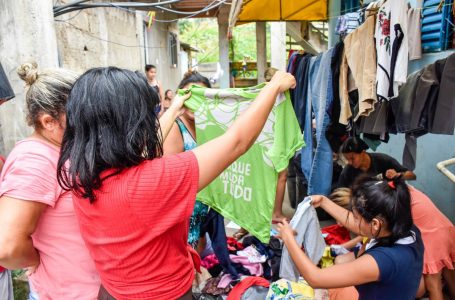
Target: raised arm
<point x="342" y="215"/>
<point x="215" y="156"/>
<point x="359" y="271"/>
<point x="167" y="120"/>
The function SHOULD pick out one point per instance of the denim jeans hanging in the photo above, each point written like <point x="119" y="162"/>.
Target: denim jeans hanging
<point x="317" y="166"/>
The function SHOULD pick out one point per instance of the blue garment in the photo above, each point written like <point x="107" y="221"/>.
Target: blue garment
<point x="318" y="166"/>
<point x="200" y="210"/>
<point x="400" y="268"/>
<point x="300" y="92"/>
<point x="214" y="226"/>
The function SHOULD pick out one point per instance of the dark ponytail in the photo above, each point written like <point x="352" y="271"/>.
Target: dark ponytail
<point x="386" y="200"/>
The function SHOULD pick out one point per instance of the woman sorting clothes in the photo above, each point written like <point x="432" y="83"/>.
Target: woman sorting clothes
<point x="391" y="266"/>
<point x="132" y="203"/>
<point x="360" y="162"/>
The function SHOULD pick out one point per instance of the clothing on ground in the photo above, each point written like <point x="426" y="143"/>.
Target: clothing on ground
<point x="245" y="192"/>
<point x="214" y="226"/>
<point x="240" y="289"/>
<point x="306" y="224"/>
<point x="284" y="289"/>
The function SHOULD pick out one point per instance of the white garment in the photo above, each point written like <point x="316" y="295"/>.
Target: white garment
<point x="253" y="255"/>
<point x="391" y="13"/>
<point x="6" y="285"/>
<point x="403" y="241"/>
<point x="306" y="224"/>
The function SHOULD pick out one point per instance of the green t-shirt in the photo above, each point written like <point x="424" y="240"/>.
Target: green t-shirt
<point x="245" y="192"/>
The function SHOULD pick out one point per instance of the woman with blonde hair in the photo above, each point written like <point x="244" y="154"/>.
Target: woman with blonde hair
<point x="38" y="227"/>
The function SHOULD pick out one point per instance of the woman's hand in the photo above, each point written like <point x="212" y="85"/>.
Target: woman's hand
<point x="285" y="230"/>
<point x="32" y="269"/>
<point x="392" y="174"/>
<point x="178" y="101"/>
<point x="317" y="200"/>
<point x="284" y="81"/>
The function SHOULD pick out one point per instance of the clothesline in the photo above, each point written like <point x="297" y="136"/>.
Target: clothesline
<point x="355" y="9"/>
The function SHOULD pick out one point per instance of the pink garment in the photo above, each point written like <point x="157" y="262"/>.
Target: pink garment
<point x="66" y="270"/>
<point x="438" y="233"/>
<point x="255" y="269"/>
<point x="225" y="281"/>
<point x="210" y="261"/>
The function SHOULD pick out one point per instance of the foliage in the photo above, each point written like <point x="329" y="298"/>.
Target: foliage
<point x="203" y="34"/>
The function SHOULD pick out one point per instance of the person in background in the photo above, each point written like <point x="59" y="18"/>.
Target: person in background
<point x="391" y="265"/>
<point x="168" y="96"/>
<point x="281" y="182"/>
<point x="150" y="73"/>
<point x="134" y="205"/>
<point x="361" y="162"/>
<point x="182" y="137"/>
<point x="38" y="227"/>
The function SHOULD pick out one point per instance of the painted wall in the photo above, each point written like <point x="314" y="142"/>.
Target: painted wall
<point x="431" y="149"/>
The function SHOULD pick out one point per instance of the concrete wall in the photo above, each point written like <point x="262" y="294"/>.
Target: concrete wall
<point x="99" y="37"/>
<point x="158" y="53"/>
<point x="26" y="33"/>
<point x="78" y="40"/>
<point x="431" y="149"/>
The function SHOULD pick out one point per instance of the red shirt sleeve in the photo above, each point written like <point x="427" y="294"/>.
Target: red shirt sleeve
<point x="162" y="192"/>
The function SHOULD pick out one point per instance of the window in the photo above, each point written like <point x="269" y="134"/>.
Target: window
<point x="437" y="26"/>
<point x="173" y="50"/>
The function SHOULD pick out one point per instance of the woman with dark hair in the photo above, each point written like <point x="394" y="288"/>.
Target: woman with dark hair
<point x="391" y="265"/>
<point x="168" y="96"/>
<point x="150" y="73"/>
<point x="182" y="137"/>
<point x="361" y="162"/>
<point x="133" y="204"/>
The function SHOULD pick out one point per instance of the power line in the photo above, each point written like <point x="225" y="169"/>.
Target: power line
<point x="112" y="42"/>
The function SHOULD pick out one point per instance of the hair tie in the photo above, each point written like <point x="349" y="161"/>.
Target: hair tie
<point x="391" y="184"/>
